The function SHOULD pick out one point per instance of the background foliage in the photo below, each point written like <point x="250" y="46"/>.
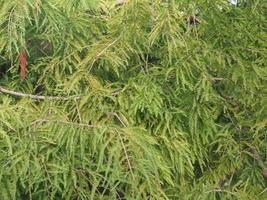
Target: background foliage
<point x="168" y="109"/>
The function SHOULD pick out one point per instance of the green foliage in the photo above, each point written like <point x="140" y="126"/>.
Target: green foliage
<point x="168" y="109"/>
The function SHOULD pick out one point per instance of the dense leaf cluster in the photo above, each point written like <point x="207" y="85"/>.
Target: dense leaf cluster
<point x="171" y="100"/>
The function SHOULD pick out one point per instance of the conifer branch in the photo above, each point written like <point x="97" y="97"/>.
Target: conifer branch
<point x="152" y="65"/>
<point x="126" y="155"/>
<point x="123" y="146"/>
<point x="101" y="52"/>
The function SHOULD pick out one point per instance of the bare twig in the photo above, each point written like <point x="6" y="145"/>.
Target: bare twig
<point x="41" y="97"/>
<point x="265" y="190"/>
<point x="78" y="110"/>
<point x="117" y="116"/>
<point x="217" y="79"/>
<point x="101" y="52"/>
<point x="231" y="178"/>
<point x="36" y="97"/>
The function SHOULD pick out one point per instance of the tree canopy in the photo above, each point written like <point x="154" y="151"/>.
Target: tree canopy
<point x="137" y="99"/>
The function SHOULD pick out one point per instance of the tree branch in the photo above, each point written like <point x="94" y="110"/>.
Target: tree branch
<point x="265" y="190"/>
<point x="36" y="97"/>
<point x="41" y="97"/>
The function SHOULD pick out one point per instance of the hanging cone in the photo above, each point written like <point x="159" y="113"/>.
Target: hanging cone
<point x="23" y="63"/>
